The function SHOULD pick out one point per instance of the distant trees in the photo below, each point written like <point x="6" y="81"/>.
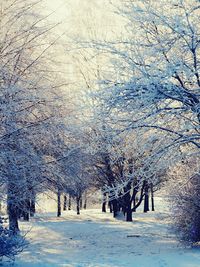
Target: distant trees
<point x="79" y="176"/>
<point x="67" y="164"/>
<point x="126" y="167"/>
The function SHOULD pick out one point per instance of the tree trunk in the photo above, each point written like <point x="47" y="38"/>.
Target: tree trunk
<point x="104" y="202"/>
<point x="12" y="208"/>
<point x="134" y="202"/>
<point x="146" y="197"/>
<point x="78" y="205"/>
<point x="32" y="205"/>
<point x="115" y="208"/>
<point x="70" y="203"/>
<point x="152" y="199"/>
<point x="103" y="207"/>
<point x="65" y="203"/>
<point x="127" y="199"/>
<point x="85" y="201"/>
<point x="26" y="210"/>
<point x="135" y="191"/>
<point x="110" y="206"/>
<point x="58" y="203"/>
<point x="129" y="217"/>
<point x="141" y="197"/>
<point x="13" y="218"/>
<point x="81" y="202"/>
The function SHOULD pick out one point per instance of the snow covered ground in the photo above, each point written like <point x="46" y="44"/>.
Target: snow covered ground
<point x="94" y="239"/>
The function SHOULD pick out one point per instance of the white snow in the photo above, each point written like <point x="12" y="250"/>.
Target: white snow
<point x="95" y="239"/>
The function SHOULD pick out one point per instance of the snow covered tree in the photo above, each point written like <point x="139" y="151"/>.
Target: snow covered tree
<point x="158" y="69"/>
<point x="29" y="102"/>
<point x="153" y="87"/>
<point x="126" y="166"/>
<point x="184" y="198"/>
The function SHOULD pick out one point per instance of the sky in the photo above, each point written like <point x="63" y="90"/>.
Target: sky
<point x="81" y="20"/>
<point x="83" y="17"/>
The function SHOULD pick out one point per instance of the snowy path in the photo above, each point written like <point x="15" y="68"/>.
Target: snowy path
<point x="96" y="239"/>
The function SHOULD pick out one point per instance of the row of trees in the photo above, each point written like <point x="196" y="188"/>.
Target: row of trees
<point x="140" y="124"/>
<point x="39" y="130"/>
<point x="28" y="90"/>
<point x="151" y="105"/>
